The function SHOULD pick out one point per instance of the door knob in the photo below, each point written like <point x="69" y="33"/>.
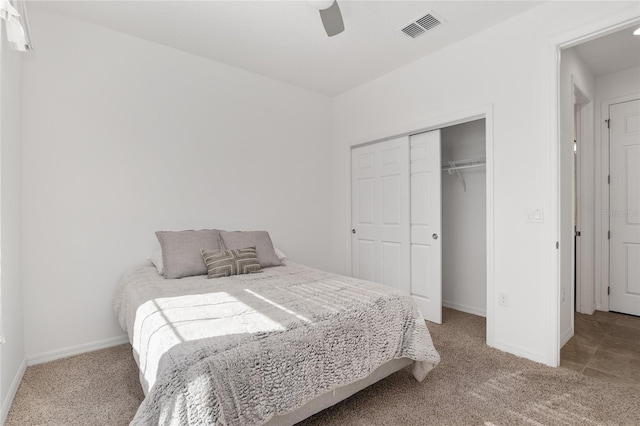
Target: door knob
<point x="435" y="236"/>
<point x="353" y="231"/>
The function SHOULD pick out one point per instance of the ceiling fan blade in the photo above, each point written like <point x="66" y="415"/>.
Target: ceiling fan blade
<point x="332" y="20"/>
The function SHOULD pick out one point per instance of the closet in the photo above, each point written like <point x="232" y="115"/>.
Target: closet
<point x="464" y="218"/>
<point x="419" y="216"/>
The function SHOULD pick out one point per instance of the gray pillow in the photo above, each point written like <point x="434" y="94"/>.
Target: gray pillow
<point x="181" y="255"/>
<point x="258" y="239"/>
<point x="223" y="263"/>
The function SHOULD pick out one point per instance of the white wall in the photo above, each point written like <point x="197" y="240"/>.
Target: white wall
<point x="574" y="72"/>
<point x="509" y="66"/>
<point x="123" y="137"/>
<point x="614" y="85"/>
<point x="464" y="221"/>
<point x="607" y="87"/>
<point x="12" y="351"/>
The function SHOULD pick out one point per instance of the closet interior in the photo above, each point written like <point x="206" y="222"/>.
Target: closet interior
<point x="464" y="217"/>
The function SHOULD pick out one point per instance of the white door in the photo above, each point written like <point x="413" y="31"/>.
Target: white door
<point x="380" y="213"/>
<point x="624" y="209"/>
<point x="426" y="241"/>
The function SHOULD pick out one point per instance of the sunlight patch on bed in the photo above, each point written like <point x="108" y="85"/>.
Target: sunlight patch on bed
<point x="282" y="308"/>
<point x="162" y="323"/>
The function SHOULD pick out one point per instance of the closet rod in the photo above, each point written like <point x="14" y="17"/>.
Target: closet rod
<point x="468" y="166"/>
<point x="456" y="166"/>
<point x="464" y="164"/>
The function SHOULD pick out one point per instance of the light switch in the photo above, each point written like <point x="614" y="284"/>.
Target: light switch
<point x="534" y="215"/>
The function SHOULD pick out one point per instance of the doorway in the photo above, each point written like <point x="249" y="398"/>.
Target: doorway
<point x="582" y="147"/>
<point x="589" y="87"/>
<point x="586" y="166"/>
<point x="464" y="235"/>
<point x="576" y="208"/>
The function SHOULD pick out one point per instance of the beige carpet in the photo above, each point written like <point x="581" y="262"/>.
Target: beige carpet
<point x="474" y="385"/>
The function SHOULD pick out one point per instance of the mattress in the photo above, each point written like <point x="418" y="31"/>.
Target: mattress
<point x="251" y="348"/>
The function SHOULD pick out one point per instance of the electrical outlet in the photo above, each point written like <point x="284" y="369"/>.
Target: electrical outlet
<point x="503" y="299"/>
<point x="562" y="294"/>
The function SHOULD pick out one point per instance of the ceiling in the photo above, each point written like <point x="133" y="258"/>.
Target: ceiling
<point x="611" y="53"/>
<point x="285" y="40"/>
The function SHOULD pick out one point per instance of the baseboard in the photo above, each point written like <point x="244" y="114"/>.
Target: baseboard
<point x="75" y="350"/>
<point x="566" y="336"/>
<point x="587" y="310"/>
<point x="464" y="308"/>
<point x="521" y="352"/>
<point x="6" y="404"/>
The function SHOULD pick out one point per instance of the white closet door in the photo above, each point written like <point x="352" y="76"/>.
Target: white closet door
<point x="380" y="213"/>
<point x="624" y="207"/>
<point x="426" y="225"/>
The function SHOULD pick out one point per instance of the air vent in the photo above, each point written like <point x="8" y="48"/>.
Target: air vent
<point x="428" y="21"/>
<point x="422" y="24"/>
<point x="413" y="30"/>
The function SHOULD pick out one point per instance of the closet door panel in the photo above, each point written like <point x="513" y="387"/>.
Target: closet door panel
<point x="391" y="204"/>
<point x="391" y="263"/>
<point x="380" y="212"/>
<point x="365" y="201"/>
<point x="419" y="199"/>
<point x="364" y="256"/>
<point x="426" y="247"/>
<point x="420" y="255"/>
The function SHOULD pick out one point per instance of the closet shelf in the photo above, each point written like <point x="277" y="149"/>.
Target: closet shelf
<point x="456" y="166"/>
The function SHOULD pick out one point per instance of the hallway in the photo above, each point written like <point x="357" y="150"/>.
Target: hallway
<point x="606" y="345"/>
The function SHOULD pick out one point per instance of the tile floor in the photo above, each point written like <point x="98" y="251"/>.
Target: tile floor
<point x="606" y="346"/>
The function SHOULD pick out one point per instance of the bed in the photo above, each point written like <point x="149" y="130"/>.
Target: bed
<point x="268" y="348"/>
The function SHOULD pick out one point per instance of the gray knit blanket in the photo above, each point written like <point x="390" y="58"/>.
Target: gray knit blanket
<point x="240" y="350"/>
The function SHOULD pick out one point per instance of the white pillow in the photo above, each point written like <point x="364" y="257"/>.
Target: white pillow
<point x="156" y="259"/>
<point x="279" y="253"/>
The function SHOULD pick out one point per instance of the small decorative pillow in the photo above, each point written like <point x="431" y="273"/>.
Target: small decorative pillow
<point x="223" y="263"/>
<point x="258" y="239"/>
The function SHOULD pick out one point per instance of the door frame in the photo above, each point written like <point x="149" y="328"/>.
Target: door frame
<point x="603" y="202"/>
<point x="606" y="26"/>
<point x="581" y="253"/>
<point x="482" y="112"/>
